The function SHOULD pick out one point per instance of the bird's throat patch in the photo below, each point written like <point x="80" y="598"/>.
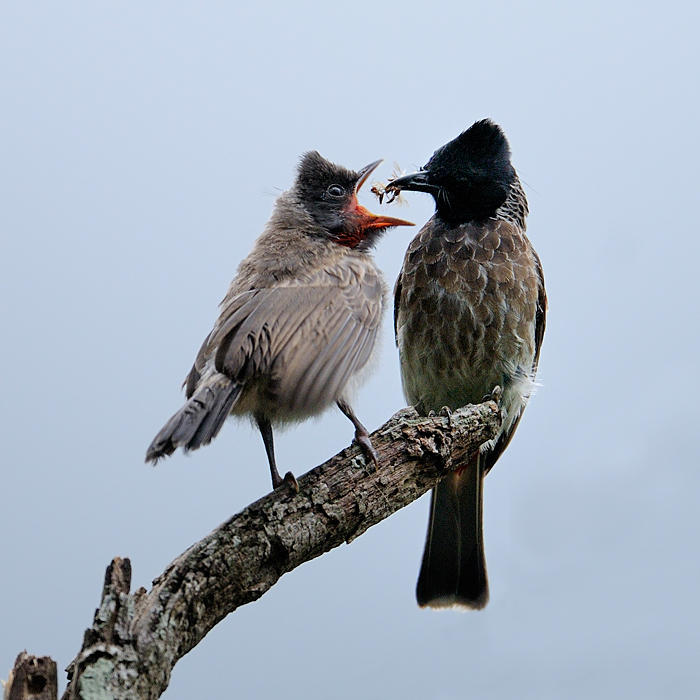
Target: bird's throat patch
<point x="350" y="239"/>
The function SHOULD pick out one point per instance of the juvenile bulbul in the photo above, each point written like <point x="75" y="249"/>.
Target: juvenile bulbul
<point x="469" y="315"/>
<point x="300" y="319"/>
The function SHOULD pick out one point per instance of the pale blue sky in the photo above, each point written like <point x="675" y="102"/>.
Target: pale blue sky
<point x="142" y="145"/>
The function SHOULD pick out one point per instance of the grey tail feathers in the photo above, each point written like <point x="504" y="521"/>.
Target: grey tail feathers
<point x="198" y="422"/>
<point x="453" y="572"/>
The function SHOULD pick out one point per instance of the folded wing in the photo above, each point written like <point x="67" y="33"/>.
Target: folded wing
<point x="301" y="340"/>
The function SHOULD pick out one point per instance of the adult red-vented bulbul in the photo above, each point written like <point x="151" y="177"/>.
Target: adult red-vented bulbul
<point x="469" y="315"/>
<point x="300" y="319"/>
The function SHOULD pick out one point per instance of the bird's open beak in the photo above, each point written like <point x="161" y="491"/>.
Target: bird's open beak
<point x="365" y="172"/>
<point x="415" y="181"/>
<point x="366" y="218"/>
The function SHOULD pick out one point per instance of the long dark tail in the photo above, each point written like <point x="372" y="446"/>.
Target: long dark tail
<point x="453" y="571"/>
<point x="198" y="422"/>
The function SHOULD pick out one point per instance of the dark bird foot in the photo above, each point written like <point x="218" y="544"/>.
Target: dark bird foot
<point x="368" y="449"/>
<point x="361" y="434"/>
<point x="495" y="395"/>
<point x="289" y="481"/>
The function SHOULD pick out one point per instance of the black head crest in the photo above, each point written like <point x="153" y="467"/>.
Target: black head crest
<point x="325" y="189"/>
<point x="316" y="174"/>
<point x="480" y="151"/>
<point x="469" y="177"/>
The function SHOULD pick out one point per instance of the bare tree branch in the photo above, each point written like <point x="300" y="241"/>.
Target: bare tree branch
<point x="32" y="678"/>
<point x="137" y="638"/>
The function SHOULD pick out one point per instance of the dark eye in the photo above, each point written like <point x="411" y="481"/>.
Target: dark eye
<point x="335" y="191"/>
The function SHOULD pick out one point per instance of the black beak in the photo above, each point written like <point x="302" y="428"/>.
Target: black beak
<point x="365" y="172"/>
<point x="418" y="182"/>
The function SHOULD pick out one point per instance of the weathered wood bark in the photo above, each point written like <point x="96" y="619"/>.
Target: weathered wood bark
<point x="32" y="678"/>
<point x="137" y="638"/>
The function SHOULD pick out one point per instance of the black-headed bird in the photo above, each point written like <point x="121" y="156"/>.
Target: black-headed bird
<point x="469" y="315"/>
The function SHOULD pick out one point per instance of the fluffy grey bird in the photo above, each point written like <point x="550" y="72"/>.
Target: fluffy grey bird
<point x="469" y="315"/>
<point x="299" y="322"/>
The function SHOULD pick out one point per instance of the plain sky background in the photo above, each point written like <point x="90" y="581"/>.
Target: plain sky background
<point x="142" y="146"/>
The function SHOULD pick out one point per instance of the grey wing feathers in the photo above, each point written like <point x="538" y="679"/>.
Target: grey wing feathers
<point x="300" y="344"/>
<point x="198" y="421"/>
<point x="307" y="340"/>
<point x="345" y="353"/>
<point x="229" y="306"/>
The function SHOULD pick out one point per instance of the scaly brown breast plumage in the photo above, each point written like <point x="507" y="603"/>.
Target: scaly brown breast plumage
<point x="466" y="302"/>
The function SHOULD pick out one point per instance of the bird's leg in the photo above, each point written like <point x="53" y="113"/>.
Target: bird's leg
<point x="361" y="434"/>
<point x="266" y="431"/>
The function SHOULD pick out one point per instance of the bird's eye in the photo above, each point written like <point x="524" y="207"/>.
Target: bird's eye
<point x="335" y="191"/>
